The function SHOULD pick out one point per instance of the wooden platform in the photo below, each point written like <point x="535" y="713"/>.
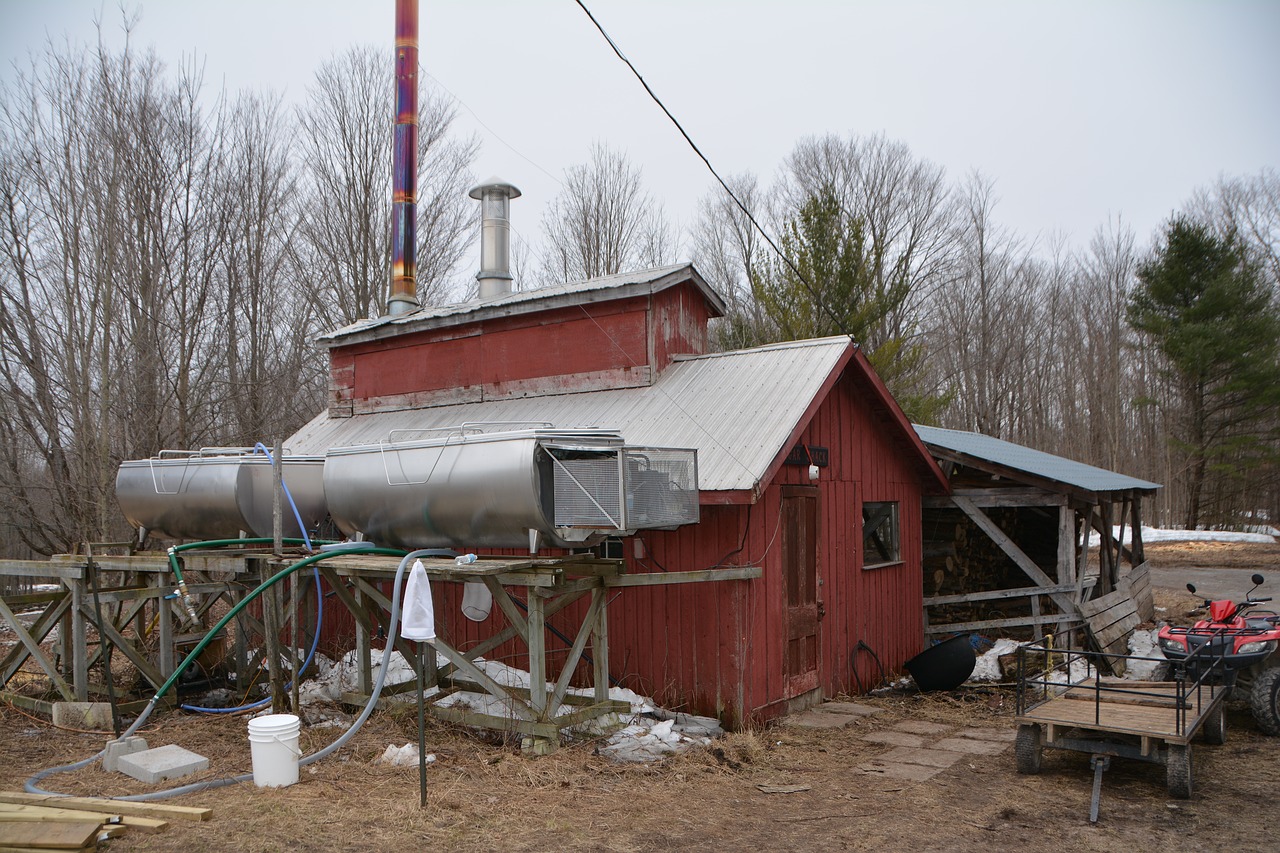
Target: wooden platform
<point x="1142" y="709"/>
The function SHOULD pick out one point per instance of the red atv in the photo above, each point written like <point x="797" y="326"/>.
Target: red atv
<point x="1246" y="646"/>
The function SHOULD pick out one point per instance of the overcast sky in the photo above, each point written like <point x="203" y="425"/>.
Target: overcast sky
<point x="1081" y="111"/>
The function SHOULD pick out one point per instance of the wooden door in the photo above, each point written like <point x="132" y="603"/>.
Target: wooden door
<point x="800" y="570"/>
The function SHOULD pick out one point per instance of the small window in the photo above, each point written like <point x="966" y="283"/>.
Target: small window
<point x="880" y="534"/>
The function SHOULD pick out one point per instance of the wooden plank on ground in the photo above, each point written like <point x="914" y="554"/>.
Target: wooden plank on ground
<point x="1137" y="582"/>
<point x="1110" y="619"/>
<point x="108" y="806"/>
<point x="15" y="811"/>
<point x="49" y="836"/>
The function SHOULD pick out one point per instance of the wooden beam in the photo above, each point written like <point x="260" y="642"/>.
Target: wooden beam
<point x="980" y="518"/>
<point x="995" y="595"/>
<point x="1010" y="497"/>
<point x="108" y="806"/>
<point x="34" y="650"/>
<point x="664" y="578"/>
<point x="1017" y="622"/>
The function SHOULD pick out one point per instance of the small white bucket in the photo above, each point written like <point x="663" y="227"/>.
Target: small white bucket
<point x="273" y="740"/>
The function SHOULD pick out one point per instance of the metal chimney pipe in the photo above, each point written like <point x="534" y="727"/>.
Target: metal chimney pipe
<point x="495" y="197"/>
<point x="404" y="166"/>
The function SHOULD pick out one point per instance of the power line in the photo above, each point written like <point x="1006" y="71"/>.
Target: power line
<point x="696" y="150"/>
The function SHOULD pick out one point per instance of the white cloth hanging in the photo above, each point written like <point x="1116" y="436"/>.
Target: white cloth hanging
<point x="419" y="620"/>
<point x="477" y="601"/>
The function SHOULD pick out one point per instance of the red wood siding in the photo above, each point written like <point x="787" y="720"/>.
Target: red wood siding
<point x="677" y="325"/>
<point x="717" y="648"/>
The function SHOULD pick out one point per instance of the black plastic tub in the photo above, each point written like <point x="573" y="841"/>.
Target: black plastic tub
<point x="944" y="666"/>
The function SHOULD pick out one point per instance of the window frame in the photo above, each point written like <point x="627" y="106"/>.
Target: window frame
<point x="894" y="518"/>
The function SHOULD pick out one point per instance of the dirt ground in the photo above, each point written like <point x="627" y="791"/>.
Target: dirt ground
<point x="488" y="796"/>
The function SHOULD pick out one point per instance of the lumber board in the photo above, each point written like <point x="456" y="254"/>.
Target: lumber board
<point x="109" y="806"/>
<point x="15" y="811"/>
<point x="49" y="836"/>
<point x="1137" y="582"/>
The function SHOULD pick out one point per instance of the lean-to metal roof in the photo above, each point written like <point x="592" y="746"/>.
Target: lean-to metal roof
<point x="574" y="293"/>
<point x="737" y="409"/>
<point x="1035" y="462"/>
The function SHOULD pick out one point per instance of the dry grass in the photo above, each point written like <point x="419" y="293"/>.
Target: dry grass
<point x="486" y="795"/>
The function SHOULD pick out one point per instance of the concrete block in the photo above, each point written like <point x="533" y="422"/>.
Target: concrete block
<point x="894" y="738"/>
<point x="1003" y="735"/>
<point x="117" y="748"/>
<point x="972" y="746"/>
<point x="163" y="762"/>
<point x="894" y="770"/>
<point x="82" y="715"/>
<point x="852" y="708"/>
<point x="927" y="757"/>
<point x="922" y="727"/>
<point x="818" y="720"/>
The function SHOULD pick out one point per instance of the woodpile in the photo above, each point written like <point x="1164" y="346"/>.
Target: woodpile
<point x="959" y="558"/>
<point x="42" y="822"/>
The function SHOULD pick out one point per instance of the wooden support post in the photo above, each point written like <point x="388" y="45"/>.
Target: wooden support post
<point x="600" y="646"/>
<point x="537" y="642"/>
<point x="271" y="624"/>
<point x="164" y="615"/>
<point x="79" y="638"/>
<point x="364" y="663"/>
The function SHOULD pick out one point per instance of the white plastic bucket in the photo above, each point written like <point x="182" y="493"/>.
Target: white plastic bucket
<point x="273" y="740"/>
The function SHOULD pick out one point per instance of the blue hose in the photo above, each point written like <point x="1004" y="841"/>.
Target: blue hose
<point x="297" y="516"/>
<point x="315" y="642"/>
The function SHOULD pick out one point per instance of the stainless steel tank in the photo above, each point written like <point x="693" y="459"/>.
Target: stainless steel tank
<point x="217" y="493"/>
<point x="464" y="487"/>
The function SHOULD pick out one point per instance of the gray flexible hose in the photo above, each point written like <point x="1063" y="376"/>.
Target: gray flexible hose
<point x="32" y="784"/>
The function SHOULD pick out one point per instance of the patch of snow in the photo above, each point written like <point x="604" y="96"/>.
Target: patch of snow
<point x="403" y="756"/>
<point x="1262" y="534"/>
<point x="646" y="733"/>
<point x="987" y="666"/>
<point x="1152" y="664"/>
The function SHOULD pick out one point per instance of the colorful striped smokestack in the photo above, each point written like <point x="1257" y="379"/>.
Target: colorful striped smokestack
<point x="404" y="167"/>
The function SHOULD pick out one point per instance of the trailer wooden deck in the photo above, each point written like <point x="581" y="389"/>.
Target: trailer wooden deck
<point x="1151" y="721"/>
<point x="1146" y="709"/>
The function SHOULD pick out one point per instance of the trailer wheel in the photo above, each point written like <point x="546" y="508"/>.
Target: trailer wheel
<point x="1178" y="771"/>
<point x="1264" y="700"/>
<point x="1028" y="748"/>
<point x="1215" y="726"/>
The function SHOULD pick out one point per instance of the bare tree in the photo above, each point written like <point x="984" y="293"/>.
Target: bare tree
<point x="726" y="247"/>
<point x="344" y="238"/>
<point x="904" y="207"/>
<point x="603" y="222"/>
<point x="273" y="380"/>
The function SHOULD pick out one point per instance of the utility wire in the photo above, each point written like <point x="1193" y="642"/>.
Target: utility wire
<point x="696" y="150"/>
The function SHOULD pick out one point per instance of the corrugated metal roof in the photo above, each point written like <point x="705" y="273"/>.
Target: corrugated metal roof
<point x="737" y="409"/>
<point x="612" y="286"/>
<point x="1045" y="465"/>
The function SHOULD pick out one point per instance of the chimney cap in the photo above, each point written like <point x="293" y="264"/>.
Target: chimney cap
<point x="494" y="183"/>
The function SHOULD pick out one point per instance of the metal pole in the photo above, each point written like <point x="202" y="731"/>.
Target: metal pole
<point x="422" y="734"/>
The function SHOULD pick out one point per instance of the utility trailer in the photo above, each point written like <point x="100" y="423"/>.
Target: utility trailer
<point x="1064" y="702"/>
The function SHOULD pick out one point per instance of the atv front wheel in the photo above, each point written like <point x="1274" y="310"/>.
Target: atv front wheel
<point x="1264" y="700"/>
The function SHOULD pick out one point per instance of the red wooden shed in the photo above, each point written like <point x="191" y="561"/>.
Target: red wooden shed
<point x="807" y="467"/>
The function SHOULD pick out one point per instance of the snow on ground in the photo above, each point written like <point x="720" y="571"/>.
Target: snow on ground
<point x="645" y="733"/>
<point x="1266" y="535"/>
<point x="1147" y="663"/>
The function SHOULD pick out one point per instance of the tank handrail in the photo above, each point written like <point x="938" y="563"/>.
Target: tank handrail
<point x="391" y="439"/>
<point x="176" y="454"/>
<point x="386" y="469"/>
<point x="227" y="451"/>
<point x="476" y="425"/>
<point x="155" y="484"/>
